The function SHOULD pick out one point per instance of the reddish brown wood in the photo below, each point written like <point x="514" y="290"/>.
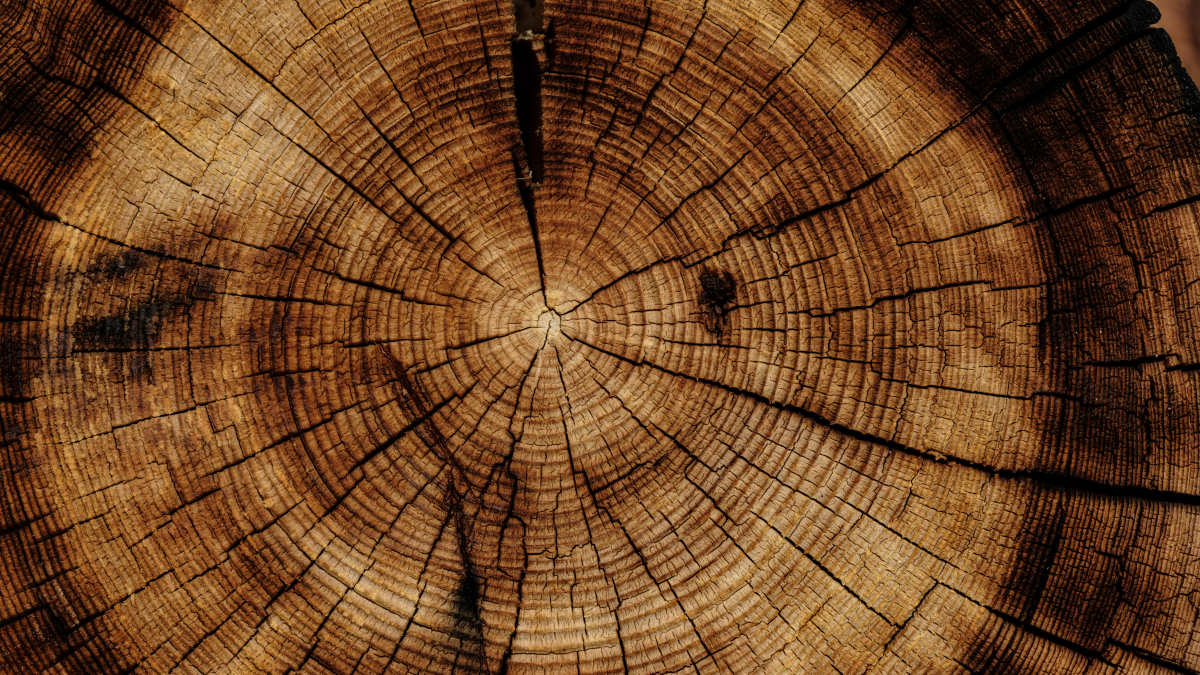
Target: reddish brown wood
<point x="418" y="336"/>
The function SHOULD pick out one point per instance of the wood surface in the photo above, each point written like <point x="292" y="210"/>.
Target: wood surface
<point x="705" y="336"/>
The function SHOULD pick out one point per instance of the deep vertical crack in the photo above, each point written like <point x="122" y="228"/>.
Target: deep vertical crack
<point x="527" y="88"/>
<point x="528" y="47"/>
<point x="525" y="187"/>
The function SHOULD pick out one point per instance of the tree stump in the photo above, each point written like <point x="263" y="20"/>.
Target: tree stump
<point x="807" y="336"/>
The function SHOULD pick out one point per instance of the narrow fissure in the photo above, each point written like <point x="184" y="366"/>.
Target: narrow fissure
<point x="527" y="88"/>
<point x="525" y="187"/>
<point x="468" y="620"/>
<point x="467" y="596"/>
<point x="528" y="50"/>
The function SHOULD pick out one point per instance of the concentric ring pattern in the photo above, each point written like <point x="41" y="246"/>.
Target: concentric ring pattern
<point x="815" y="336"/>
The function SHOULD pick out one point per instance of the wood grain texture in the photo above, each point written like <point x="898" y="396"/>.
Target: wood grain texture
<point x="441" y="335"/>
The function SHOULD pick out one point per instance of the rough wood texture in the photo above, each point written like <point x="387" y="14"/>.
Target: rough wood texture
<point x="768" y="336"/>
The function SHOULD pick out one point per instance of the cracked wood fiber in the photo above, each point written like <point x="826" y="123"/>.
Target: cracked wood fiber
<point x="406" y="336"/>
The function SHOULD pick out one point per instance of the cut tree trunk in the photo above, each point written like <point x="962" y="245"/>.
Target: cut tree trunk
<point x="806" y="336"/>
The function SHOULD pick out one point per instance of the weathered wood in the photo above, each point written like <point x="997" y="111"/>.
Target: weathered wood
<point x="818" y="336"/>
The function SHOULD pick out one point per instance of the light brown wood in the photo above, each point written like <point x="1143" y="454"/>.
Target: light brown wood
<point x="767" y="336"/>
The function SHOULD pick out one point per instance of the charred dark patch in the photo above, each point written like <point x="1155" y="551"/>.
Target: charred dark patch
<point x="466" y="608"/>
<point x="134" y="329"/>
<point x="157" y="296"/>
<point x="128" y="299"/>
<point x="128" y="336"/>
<point x="717" y="291"/>
<point x="468" y="626"/>
<point x="117" y="266"/>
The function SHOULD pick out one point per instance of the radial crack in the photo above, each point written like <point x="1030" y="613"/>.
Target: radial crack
<point x="527" y="88"/>
<point x="528" y="46"/>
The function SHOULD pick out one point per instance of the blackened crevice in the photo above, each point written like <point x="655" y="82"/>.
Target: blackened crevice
<point x="529" y="46"/>
<point x="548" y="46"/>
<point x="1039" y="561"/>
<point x="527" y="200"/>
<point x="717" y="291"/>
<point x="468" y="623"/>
<point x="527" y="88"/>
<point x="77" y="644"/>
<point x="529" y="15"/>
<point x="506" y="657"/>
<point x="466" y="605"/>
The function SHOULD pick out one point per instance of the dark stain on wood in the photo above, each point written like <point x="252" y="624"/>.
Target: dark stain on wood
<point x="133" y="329"/>
<point x="717" y="291"/>
<point x="117" y="266"/>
